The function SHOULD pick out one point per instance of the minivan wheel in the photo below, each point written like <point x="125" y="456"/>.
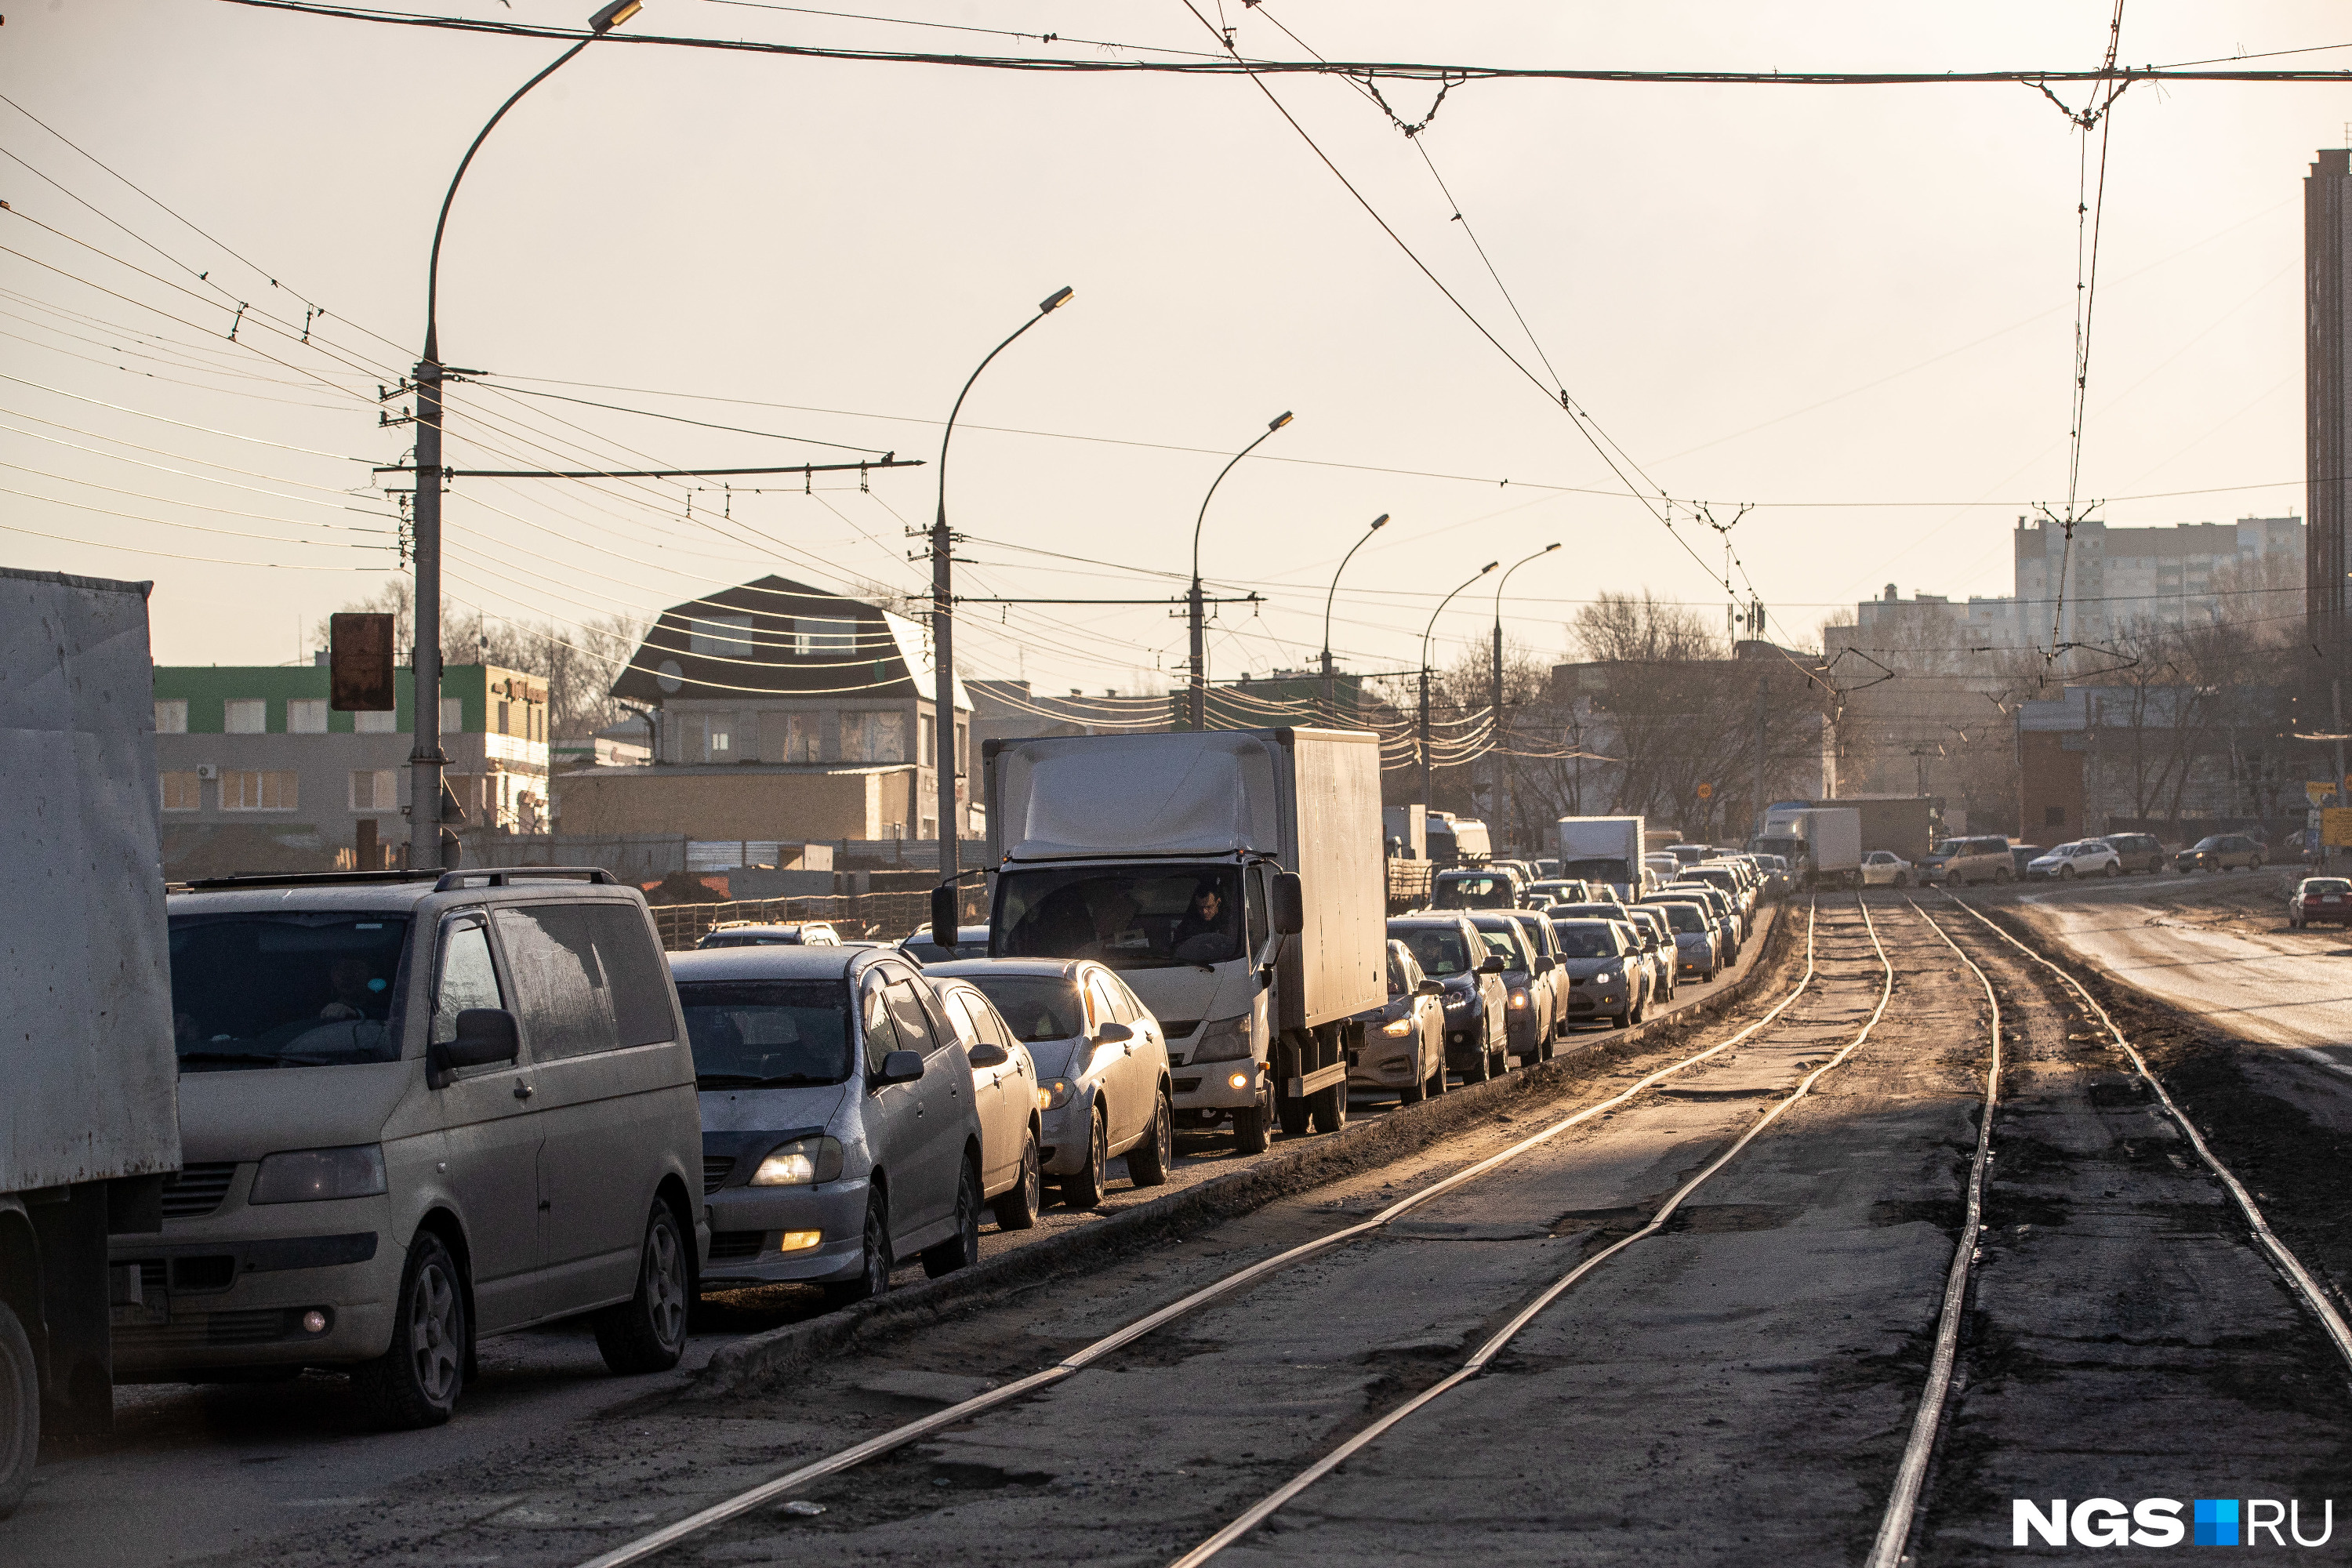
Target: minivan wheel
<point x="20" y="1412"/>
<point x="416" y="1383"/>
<point x="1017" y="1208"/>
<point x="874" y="1272"/>
<point x="1148" y="1161"/>
<point x="1083" y="1188"/>
<point x="960" y="1250"/>
<point x="648" y="1332"/>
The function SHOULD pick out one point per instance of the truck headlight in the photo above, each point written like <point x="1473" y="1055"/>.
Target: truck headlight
<point x="1054" y="1095"/>
<point x="311" y="1176"/>
<point x="799" y="1163"/>
<point x="1224" y="1039"/>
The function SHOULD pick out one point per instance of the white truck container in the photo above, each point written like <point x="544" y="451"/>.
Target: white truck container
<point x="1233" y="877"/>
<point x="89" y="1122"/>
<point x="1822" y="844"/>
<point x="1604" y="849"/>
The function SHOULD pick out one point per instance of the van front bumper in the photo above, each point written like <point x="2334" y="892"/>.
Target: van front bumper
<point x="750" y="1224"/>
<point x="185" y="1308"/>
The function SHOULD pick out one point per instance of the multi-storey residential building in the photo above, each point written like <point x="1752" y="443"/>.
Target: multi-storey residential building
<point x="260" y="774"/>
<point x="2115" y="578"/>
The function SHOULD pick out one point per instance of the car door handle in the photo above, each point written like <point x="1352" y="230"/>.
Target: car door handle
<point x="521" y="1090"/>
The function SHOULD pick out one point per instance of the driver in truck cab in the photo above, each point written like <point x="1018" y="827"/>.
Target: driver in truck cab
<point x="1208" y="916"/>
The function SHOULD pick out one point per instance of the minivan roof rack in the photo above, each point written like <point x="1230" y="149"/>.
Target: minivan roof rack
<point x="308" y="878"/>
<point x="506" y="876"/>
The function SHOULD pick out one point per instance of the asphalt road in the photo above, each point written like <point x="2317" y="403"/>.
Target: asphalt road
<point x="218" y="1472"/>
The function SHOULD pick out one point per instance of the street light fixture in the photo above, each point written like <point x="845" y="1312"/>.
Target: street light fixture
<point x="1331" y="703"/>
<point x="426" y="760"/>
<point x="1200" y="704"/>
<point x="1496" y="793"/>
<point x="946" y="758"/>
<point x="1426" y="784"/>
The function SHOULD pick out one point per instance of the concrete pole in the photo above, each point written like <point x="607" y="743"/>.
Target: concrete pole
<point x="425" y="760"/>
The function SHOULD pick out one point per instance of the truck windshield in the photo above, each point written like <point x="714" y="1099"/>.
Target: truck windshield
<point x="286" y="989"/>
<point x="1129" y="917"/>
<point x="1036" y="1006"/>
<point x="766" y="1033"/>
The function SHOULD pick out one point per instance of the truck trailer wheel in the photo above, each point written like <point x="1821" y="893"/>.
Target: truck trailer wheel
<point x="20" y="1412"/>
<point x="1329" y="1107"/>
<point x="1294" y="1114"/>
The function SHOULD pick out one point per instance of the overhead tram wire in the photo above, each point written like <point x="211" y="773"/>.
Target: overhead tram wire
<point x="964" y="27"/>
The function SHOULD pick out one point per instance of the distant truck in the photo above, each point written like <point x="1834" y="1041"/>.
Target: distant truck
<point x="1603" y="849"/>
<point x="1907" y="825"/>
<point x="1457" y="840"/>
<point x="1822" y="845"/>
<point x="1235" y="879"/>
<point x="1404" y="832"/>
<point x="90" y="1123"/>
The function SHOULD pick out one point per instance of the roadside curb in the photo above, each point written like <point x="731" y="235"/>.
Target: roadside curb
<point x="753" y="1363"/>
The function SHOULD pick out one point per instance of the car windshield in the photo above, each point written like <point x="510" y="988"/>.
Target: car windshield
<point x="1481" y="890"/>
<point x="1129" y="917"/>
<point x="286" y="989"/>
<point x="1587" y="938"/>
<point x="1505" y="942"/>
<point x="1684" y="916"/>
<point x="758" y="1034"/>
<point x="2212" y="844"/>
<point x="1439" y="950"/>
<point x="1036" y="1006"/>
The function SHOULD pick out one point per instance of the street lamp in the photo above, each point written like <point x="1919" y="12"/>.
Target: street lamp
<point x="1331" y="704"/>
<point x="1496" y="793"/>
<point x="1427" y="784"/>
<point x="945" y="758"/>
<point x="426" y="760"/>
<point x="1199" y="666"/>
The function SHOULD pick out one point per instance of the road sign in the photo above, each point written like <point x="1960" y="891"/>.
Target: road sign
<point x="2336" y="827"/>
<point x="1707" y="792"/>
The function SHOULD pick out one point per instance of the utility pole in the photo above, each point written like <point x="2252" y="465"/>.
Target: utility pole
<point x="1193" y="601"/>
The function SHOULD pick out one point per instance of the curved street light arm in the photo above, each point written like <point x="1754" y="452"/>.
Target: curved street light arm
<point x="1228" y="468"/>
<point x="1378" y="523"/>
<point x="948" y="433"/>
<point x="1441" y="610"/>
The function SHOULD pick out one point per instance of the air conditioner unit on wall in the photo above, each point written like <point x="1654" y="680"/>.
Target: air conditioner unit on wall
<point x="207" y="769"/>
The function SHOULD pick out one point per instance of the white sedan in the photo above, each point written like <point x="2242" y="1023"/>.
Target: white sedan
<point x="1885" y="868"/>
<point x="2084" y="858"/>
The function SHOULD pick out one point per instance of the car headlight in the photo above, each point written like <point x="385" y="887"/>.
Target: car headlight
<point x="799" y="1163"/>
<point x="1397" y="1026"/>
<point x="1224" y="1039"/>
<point x="1456" y="1000"/>
<point x="1054" y="1095"/>
<point x="1604" y="977"/>
<point x="310" y="1175"/>
<point x="1518" y="998"/>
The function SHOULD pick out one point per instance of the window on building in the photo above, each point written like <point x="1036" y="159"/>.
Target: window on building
<point x="245" y="716"/>
<point x="820" y="634"/>
<point x="183" y="791"/>
<point x="171" y="716"/>
<point x="717" y="741"/>
<point x="274" y="790"/>
<point x="719" y="636"/>
<point x="372" y="722"/>
<point x="872" y="737"/>
<point x="375" y="789"/>
<point x="928" y="730"/>
<point x="504" y="717"/>
<point x="453" y="715"/>
<point x="306" y="716"/>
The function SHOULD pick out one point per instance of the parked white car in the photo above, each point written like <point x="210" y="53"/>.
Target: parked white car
<point x="2084" y="858"/>
<point x="1885" y="868"/>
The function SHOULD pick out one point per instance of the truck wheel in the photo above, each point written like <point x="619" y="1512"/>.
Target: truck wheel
<point x="414" y="1382"/>
<point x="20" y="1412"/>
<point x="960" y="1250"/>
<point x="1148" y="1161"/>
<point x="874" y="1262"/>
<point x="1253" y="1129"/>
<point x="1083" y="1188"/>
<point x="648" y="1332"/>
<point x="1329" y="1107"/>
<point x="1294" y="1114"/>
<point x="1017" y="1208"/>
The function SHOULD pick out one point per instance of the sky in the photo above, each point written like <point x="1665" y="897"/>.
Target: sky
<point x="1851" y="309"/>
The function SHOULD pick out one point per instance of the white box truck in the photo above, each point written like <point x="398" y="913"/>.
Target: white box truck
<point x="89" y="1122"/>
<point x="1235" y="879"/>
<point x="1822" y="844"/>
<point x="1603" y="849"/>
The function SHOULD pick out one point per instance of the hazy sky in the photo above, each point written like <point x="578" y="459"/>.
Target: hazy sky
<point x="1851" y="306"/>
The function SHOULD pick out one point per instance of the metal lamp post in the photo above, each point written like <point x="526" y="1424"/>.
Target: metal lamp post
<point x="946" y="759"/>
<point x="426" y="760"/>
<point x="1500" y="808"/>
<point x="1426" y="782"/>
<point x="1200" y="703"/>
<point x="1331" y="702"/>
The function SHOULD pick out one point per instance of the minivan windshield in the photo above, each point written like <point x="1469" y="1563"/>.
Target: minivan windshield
<point x="1128" y="917"/>
<point x="286" y="989"/>
<point x="1036" y="1006"/>
<point x="767" y="1033"/>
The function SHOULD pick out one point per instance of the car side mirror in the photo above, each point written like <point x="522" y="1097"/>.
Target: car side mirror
<point x="1546" y="964"/>
<point x="988" y="1054"/>
<point x="1289" y="896"/>
<point x="1430" y="988"/>
<point x="1113" y="1034"/>
<point x="486" y="1035"/>
<point x="901" y="1066"/>
<point x="1493" y="964"/>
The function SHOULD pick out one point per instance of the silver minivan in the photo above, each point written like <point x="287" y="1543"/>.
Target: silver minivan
<point x="416" y="1110"/>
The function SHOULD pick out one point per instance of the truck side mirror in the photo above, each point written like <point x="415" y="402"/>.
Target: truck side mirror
<point x="944" y="914"/>
<point x="1290" y="900"/>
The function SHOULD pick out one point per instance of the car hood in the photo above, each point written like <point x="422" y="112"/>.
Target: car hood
<point x="2046" y="860"/>
<point x="1586" y="968"/>
<point x="771" y="1109"/>
<point x="246" y="1115"/>
<point x="1394" y="1008"/>
<point x="1061" y="1058"/>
